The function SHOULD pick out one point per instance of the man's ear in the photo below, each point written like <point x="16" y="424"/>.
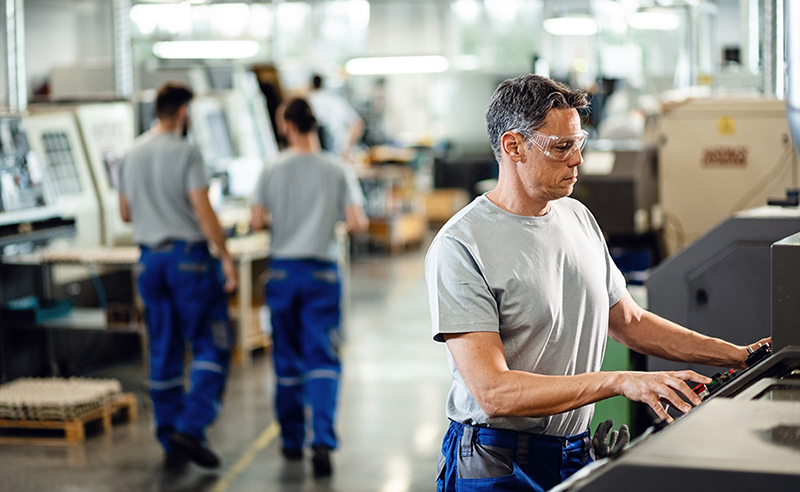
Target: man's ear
<point x="183" y="111"/>
<point x="513" y="144"/>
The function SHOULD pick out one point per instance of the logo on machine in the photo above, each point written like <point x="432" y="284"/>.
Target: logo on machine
<point x="725" y="156"/>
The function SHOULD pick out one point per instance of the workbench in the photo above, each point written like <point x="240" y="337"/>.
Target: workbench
<point x="247" y="251"/>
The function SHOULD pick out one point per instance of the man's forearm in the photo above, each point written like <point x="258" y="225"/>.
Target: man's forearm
<point x="656" y="336"/>
<point x="650" y="334"/>
<point x="501" y="392"/>
<point x="525" y="394"/>
<point x="208" y="222"/>
<point x="215" y="235"/>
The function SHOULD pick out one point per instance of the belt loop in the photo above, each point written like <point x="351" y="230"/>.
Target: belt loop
<point x="523" y="448"/>
<point x="585" y="447"/>
<point x="466" y="441"/>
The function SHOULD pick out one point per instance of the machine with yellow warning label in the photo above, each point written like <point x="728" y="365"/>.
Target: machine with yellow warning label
<point x="719" y="156"/>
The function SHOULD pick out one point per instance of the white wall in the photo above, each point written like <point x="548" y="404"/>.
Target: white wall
<point x="64" y="33"/>
<point x="407" y="28"/>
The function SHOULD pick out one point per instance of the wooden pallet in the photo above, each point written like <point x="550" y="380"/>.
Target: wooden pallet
<point x="39" y="432"/>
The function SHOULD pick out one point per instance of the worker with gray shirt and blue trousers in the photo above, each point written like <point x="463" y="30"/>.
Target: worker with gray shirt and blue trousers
<point x="523" y="291"/>
<point x="164" y="192"/>
<point x="301" y="197"/>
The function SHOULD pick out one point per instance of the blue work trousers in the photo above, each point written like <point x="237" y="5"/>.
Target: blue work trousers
<point x="304" y="300"/>
<point x="483" y="459"/>
<point x="182" y="288"/>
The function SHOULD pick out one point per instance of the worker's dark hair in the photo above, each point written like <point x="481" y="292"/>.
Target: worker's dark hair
<point x="170" y="97"/>
<point x="316" y="81"/>
<point x="521" y="104"/>
<point x="299" y="113"/>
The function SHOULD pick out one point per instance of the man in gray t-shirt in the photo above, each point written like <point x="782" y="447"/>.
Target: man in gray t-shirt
<point x="523" y="291"/>
<point x="164" y="192"/>
<point x="306" y="195"/>
<point x="303" y="195"/>
<point x="159" y="173"/>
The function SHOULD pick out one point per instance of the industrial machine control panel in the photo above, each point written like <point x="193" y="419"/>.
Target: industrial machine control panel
<point x="721" y="380"/>
<point x="744" y="436"/>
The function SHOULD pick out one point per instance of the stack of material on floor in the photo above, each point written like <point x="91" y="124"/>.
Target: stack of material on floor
<point x="56" y="398"/>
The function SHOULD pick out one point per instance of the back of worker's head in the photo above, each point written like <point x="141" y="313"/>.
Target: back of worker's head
<point x="521" y="104"/>
<point x="298" y="112"/>
<point x="316" y="81"/>
<point x="169" y="99"/>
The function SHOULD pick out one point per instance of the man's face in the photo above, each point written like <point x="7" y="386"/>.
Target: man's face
<point x="544" y="177"/>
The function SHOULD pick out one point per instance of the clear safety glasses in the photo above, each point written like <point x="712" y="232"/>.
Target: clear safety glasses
<point x="559" y="148"/>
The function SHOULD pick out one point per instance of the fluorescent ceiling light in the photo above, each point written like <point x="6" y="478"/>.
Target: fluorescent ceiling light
<point x="654" y="19"/>
<point x="571" y="26"/>
<point x="396" y="64"/>
<point x="205" y="50"/>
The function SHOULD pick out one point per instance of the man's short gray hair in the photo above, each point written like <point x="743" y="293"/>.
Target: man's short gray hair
<point x="521" y="104"/>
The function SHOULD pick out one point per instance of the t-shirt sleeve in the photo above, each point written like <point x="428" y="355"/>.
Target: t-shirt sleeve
<point x="459" y="296"/>
<point x="196" y="178"/>
<point x="352" y="194"/>
<point x="260" y="193"/>
<point x="615" y="281"/>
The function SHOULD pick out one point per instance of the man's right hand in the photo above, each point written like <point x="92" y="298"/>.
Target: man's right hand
<point x="229" y="271"/>
<point x="654" y="387"/>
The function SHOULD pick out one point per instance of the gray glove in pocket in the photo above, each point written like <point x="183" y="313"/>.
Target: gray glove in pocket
<point x="608" y="442"/>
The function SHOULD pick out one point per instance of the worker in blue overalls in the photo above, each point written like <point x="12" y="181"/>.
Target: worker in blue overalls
<point x="302" y="196"/>
<point x="163" y="190"/>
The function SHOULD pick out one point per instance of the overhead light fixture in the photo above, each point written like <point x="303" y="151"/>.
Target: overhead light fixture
<point x="573" y="25"/>
<point x="396" y="64"/>
<point x="656" y="19"/>
<point x="206" y="50"/>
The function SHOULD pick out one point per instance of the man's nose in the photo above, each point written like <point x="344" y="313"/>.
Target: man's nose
<point x="576" y="159"/>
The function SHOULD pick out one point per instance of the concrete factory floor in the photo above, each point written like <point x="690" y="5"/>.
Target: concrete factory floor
<point x="390" y="421"/>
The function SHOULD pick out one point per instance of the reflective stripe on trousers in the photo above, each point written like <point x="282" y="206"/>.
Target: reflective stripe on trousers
<point x="181" y="285"/>
<point x="304" y="300"/>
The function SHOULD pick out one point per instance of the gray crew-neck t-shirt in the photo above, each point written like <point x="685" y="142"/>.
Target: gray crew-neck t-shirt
<point x="156" y="177"/>
<point x="306" y="195"/>
<point x="545" y="284"/>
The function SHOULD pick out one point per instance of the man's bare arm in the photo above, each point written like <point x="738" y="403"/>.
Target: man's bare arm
<point x="124" y="208"/>
<point x="501" y="392"/>
<point x="650" y="334"/>
<point x="213" y="232"/>
<point x="259" y="218"/>
<point x="355" y="219"/>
